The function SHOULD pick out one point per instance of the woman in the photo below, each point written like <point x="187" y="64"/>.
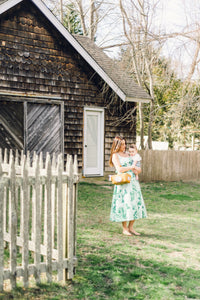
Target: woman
<point x="127" y="203"/>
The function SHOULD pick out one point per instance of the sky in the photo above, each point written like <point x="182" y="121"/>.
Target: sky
<point x="177" y="14"/>
<point x="172" y="16"/>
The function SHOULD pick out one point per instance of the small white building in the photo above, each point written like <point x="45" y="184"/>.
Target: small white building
<point x="156" y="145"/>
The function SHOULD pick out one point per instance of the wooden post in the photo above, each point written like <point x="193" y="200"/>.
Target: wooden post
<point x="70" y="229"/>
<point x="64" y="238"/>
<point x="48" y="220"/>
<point x="65" y="219"/>
<point x="25" y="232"/>
<point x="75" y="198"/>
<point x="68" y="221"/>
<point x="13" y="225"/>
<point x="5" y="205"/>
<point x="1" y="158"/>
<point x="33" y="201"/>
<point x="1" y="227"/>
<point x="53" y="199"/>
<point x="60" y="222"/>
<point x="37" y="223"/>
<point x="45" y="203"/>
<point x="5" y="159"/>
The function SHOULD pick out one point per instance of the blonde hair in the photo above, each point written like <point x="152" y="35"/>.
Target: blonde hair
<point x="115" y="147"/>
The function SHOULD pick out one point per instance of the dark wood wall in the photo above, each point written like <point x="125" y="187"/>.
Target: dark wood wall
<point x="35" y="58"/>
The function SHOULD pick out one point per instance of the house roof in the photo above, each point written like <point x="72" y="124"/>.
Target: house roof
<point x="122" y="84"/>
<point x="118" y="76"/>
<point x="2" y="1"/>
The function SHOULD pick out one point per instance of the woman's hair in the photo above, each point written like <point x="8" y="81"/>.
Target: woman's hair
<point x="115" y="147"/>
<point x="133" y="146"/>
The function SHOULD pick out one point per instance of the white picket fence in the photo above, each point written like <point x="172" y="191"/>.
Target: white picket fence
<point x="37" y="217"/>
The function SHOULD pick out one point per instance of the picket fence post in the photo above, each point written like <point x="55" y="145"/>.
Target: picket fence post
<point x="60" y="222"/>
<point x="37" y="256"/>
<point x="38" y="202"/>
<point x="13" y="224"/>
<point x="25" y="225"/>
<point x="48" y="220"/>
<point x="2" y="220"/>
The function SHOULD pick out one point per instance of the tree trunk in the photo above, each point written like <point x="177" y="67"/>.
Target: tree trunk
<point x="141" y="126"/>
<point x="61" y="11"/>
<point x="91" y="28"/>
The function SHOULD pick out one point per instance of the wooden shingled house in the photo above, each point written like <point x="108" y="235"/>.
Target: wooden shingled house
<point x="60" y="92"/>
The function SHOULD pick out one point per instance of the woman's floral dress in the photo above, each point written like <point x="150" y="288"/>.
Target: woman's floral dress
<point x="127" y="201"/>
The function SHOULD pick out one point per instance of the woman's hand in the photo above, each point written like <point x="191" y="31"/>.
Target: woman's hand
<point x="137" y="170"/>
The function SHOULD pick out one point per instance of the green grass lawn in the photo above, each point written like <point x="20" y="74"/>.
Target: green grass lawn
<point x="163" y="263"/>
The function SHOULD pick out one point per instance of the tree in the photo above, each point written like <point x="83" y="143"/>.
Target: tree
<point x="175" y="100"/>
<point x="137" y="16"/>
<point x="184" y="113"/>
<point x="71" y="20"/>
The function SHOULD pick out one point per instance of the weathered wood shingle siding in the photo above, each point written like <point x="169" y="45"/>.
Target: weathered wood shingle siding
<point x="35" y="58"/>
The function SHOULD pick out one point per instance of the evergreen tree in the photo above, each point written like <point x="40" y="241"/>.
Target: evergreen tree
<point x="71" y="20"/>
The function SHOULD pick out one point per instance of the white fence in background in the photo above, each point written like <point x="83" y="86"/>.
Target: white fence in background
<point x="37" y="217"/>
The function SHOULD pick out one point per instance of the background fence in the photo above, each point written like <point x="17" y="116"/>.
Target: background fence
<point x="170" y="165"/>
<point x="37" y="217"/>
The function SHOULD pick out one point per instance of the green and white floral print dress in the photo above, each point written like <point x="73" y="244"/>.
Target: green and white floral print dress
<point x="127" y="201"/>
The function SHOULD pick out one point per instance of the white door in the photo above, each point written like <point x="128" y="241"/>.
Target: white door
<point x="93" y="141"/>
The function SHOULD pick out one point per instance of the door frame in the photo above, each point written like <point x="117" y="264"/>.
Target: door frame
<point x="101" y="140"/>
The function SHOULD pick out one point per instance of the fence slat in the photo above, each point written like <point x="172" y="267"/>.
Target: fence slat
<point x="60" y="219"/>
<point x="198" y="164"/>
<point x="5" y="205"/>
<point x="53" y="204"/>
<point x="70" y="229"/>
<point x="37" y="223"/>
<point x="25" y="209"/>
<point x="75" y="198"/>
<point x="1" y="227"/>
<point x="48" y="220"/>
<point x="13" y="225"/>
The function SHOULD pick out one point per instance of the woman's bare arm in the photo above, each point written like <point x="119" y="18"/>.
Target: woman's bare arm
<point x="117" y="165"/>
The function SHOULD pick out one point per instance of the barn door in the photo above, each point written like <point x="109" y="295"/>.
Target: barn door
<point x="93" y="142"/>
<point x="11" y="125"/>
<point x="43" y="128"/>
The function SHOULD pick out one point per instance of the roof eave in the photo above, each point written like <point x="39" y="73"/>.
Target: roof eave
<point x="139" y="100"/>
<point x="8" y="4"/>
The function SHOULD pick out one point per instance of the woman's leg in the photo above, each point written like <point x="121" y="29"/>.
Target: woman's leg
<point x="125" y="229"/>
<point x="130" y="228"/>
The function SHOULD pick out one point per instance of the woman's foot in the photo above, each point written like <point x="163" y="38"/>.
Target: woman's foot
<point x="134" y="232"/>
<point x="126" y="232"/>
